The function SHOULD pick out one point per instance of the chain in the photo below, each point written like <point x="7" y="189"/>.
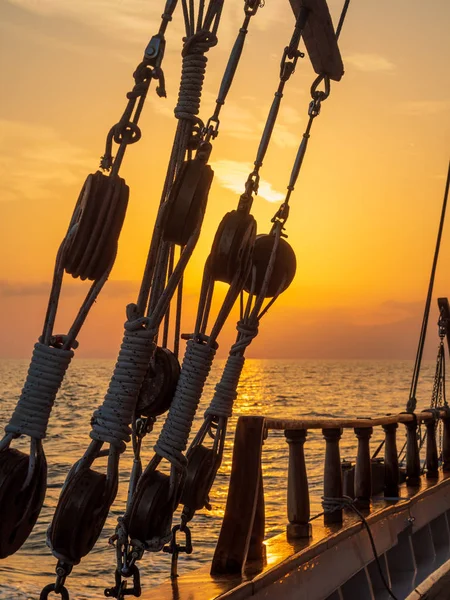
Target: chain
<point x="127" y="553"/>
<point x="127" y="130"/>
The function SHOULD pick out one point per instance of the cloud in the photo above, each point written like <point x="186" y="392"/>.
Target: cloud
<point x="33" y="158"/>
<point x="14" y="289"/>
<point x="133" y="16"/>
<point x="370" y="63"/>
<point x="417" y="108"/>
<point x="232" y="175"/>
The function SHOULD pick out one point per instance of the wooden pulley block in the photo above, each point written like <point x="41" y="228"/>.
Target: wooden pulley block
<point x="202" y="467"/>
<point x="159" y="385"/>
<point x="233" y="245"/>
<point x="80" y="514"/>
<point x="98" y="218"/>
<point x="19" y="509"/>
<point x="187" y="201"/>
<point x="151" y="509"/>
<point x="284" y="268"/>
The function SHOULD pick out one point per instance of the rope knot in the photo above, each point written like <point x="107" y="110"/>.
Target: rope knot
<point x="247" y="329"/>
<point x="199" y="43"/>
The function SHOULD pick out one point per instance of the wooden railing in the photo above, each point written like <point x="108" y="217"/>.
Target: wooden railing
<point x="242" y="534"/>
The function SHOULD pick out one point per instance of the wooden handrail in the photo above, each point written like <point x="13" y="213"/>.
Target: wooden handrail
<point x="349" y="422"/>
<point x="242" y="532"/>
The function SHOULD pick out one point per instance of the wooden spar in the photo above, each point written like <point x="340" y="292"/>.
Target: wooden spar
<point x="320" y="38"/>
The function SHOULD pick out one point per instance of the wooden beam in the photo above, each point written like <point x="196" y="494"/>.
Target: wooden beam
<point x="320" y="38"/>
<point x="242" y="502"/>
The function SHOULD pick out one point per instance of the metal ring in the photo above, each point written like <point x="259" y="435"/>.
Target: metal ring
<point x="51" y="588"/>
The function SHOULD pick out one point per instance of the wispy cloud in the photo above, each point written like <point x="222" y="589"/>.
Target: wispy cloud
<point x="14" y="289"/>
<point x="33" y="158"/>
<point x="134" y="16"/>
<point x="232" y="175"/>
<point x="425" y="107"/>
<point x="370" y="63"/>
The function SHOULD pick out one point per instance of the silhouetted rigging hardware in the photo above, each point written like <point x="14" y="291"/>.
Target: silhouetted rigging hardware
<point x="273" y="269"/>
<point x="184" y="196"/>
<point x="87" y="251"/>
<point x="150" y="512"/>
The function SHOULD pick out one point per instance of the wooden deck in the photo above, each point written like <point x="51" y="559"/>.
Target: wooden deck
<point x="336" y="559"/>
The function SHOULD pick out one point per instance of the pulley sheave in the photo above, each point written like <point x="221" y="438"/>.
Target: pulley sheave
<point x="95" y="226"/>
<point x="202" y="466"/>
<point x="284" y="267"/>
<point x="19" y="506"/>
<point x="151" y="509"/>
<point x="233" y="245"/>
<point x="80" y="515"/>
<point x="187" y="201"/>
<point x="159" y="384"/>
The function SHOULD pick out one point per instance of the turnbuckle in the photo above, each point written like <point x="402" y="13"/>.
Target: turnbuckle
<point x="174" y="549"/>
<point x="121" y="589"/>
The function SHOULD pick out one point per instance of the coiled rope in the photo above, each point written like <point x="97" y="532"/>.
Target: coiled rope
<point x="45" y="375"/>
<point x="173" y="438"/>
<point x="193" y="74"/>
<point x="225" y="392"/>
<point x="111" y="421"/>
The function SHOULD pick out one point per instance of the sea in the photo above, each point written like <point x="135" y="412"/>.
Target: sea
<point x="281" y="388"/>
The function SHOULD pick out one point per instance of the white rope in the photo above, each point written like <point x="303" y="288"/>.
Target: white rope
<point x="195" y="369"/>
<point x="111" y="421"/>
<point x="225" y="392"/>
<point x="45" y="374"/>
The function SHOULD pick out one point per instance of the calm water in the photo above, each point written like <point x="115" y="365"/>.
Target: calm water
<point x="272" y="387"/>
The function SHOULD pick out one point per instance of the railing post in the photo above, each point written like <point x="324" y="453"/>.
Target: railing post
<point x="431" y="460"/>
<point x="242" y="501"/>
<point x="332" y="481"/>
<point x="446" y="444"/>
<point x="412" y="454"/>
<point x="363" y="468"/>
<point x="391" y="472"/>
<point x="298" y="507"/>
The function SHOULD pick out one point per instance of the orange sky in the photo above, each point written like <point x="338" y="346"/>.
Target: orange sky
<point x="365" y="213"/>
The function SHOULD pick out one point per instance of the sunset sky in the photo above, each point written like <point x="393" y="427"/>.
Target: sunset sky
<point x="365" y="213"/>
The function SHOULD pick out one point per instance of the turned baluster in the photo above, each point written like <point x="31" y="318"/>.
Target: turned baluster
<point x="446" y="444"/>
<point x="332" y="480"/>
<point x="298" y="493"/>
<point x="412" y="455"/>
<point x="432" y="461"/>
<point x="391" y="472"/>
<point x="363" y="468"/>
